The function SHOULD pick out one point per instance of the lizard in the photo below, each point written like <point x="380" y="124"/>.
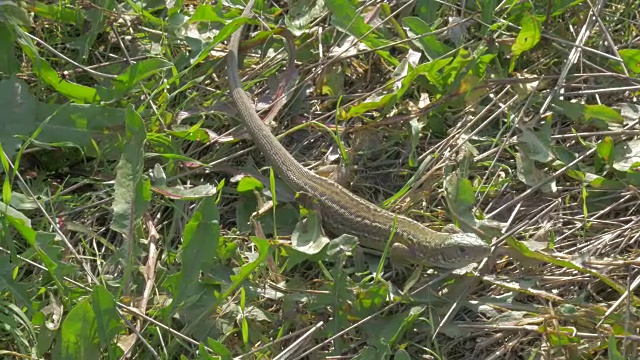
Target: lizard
<point x="343" y="212"/>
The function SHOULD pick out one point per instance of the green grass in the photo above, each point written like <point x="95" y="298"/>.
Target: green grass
<point x="137" y="220"/>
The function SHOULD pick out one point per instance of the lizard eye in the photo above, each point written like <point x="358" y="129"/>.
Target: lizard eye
<point x="462" y="250"/>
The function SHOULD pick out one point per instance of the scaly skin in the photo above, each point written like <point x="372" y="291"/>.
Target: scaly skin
<point x="345" y="213"/>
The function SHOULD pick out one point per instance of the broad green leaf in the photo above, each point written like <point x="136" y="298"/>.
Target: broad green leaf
<point x="237" y="280"/>
<point x="246" y="270"/>
<point x="461" y="200"/>
<point x="602" y="112"/>
<point x="345" y="17"/>
<point x="333" y="80"/>
<point x="391" y="328"/>
<point x="131" y="186"/>
<point x="631" y="59"/>
<point x="427" y="10"/>
<point x="612" y="349"/>
<point x="528" y="37"/>
<point x="488" y="8"/>
<point x="84" y="125"/>
<point x="401" y="354"/>
<point x="22" y="202"/>
<point x="79" y="334"/>
<point x="198" y="250"/>
<point x="605" y="150"/>
<point x="206" y="12"/>
<point x="430" y="45"/>
<point x="18" y="291"/>
<point x="12" y="13"/>
<point x="249" y="184"/>
<point x="131" y="78"/>
<point x="559" y="7"/>
<point x="44" y="71"/>
<point x="302" y="13"/>
<point x="108" y="322"/>
<point x="60" y="14"/>
<point x="191" y="133"/>
<point x="206" y="48"/>
<point x="8" y="61"/>
<point x="307" y="239"/>
<point x="596" y="115"/>
<point x="19" y="114"/>
<point x="371" y="104"/>
<point x="96" y="20"/>
<point x="626" y="155"/>
<point x="431" y="70"/>
<point x="536" y="144"/>
<point x="371" y="299"/>
<point x="529" y="174"/>
<point x="219" y="349"/>
<point x="15" y="216"/>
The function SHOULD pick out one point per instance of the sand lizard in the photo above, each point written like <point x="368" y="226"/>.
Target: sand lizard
<point x="343" y="212"/>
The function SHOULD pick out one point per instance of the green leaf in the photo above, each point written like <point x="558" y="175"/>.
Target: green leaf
<point x="131" y="187"/>
<point x="631" y="59"/>
<point x="303" y="13"/>
<point x="488" y="8"/>
<point x="428" y="10"/>
<point x="247" y="269"/>
<point x="528" y="37"/>
<point x="84" y="125"/>
<point x="249" y="184"/>
<point x="78" y="334"/>
<point x="602" y="112"/>
<point x="561" y="336"/>
<point x="536" y="144"/>
<point x="432" y="70"/>
<point x="204" y="51"/>
<point x="205" y="12"/>
<point x="96" y="20"/>
<point x="428" y="44"/>
<point x="18" y="291"/>
<point x="345" y="18"/>
<point x="461" y="200"/>
<point x="307" y="240"/>
<point x="308" y="237"/>
<point x="596" y="115"/>
<point x="131" y="78"/>
<point x="529" y="174"/>
<point x="14" y="215"/>
<point x="626" y="156"/>
<point x="19" y="114"/>
<point x="60" y="14"/>
<point x="44" y="72"/>
<point x="612" y="349"/>
<point x="605" y="150"/>
<point x="108" y="322"/>
<point x="8" y="63"/>
<point x="219" y="349"/>
<point x="12" y="13"/>
<point x="198" y="250"/>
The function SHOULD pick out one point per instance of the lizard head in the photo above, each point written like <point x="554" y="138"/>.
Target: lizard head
<point x="459" y="250"/>
<point x="447" y="251"/>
